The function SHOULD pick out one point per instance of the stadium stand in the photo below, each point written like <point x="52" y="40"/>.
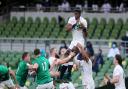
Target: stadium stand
<point x="38" y="29"/>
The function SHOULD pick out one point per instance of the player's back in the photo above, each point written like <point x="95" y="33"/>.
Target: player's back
<point x="22" y="72"/>
<point x="4" y="73"/>
<point x="87" y="71"/>
<point x="3" y="69"/>
<point x="43" y="74"/>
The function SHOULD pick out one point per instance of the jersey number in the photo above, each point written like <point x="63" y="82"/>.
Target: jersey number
<point x="44" y="66"/>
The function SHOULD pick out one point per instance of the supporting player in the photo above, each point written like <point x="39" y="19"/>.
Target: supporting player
<point x="86" y="68"/>
<point x="22" y="71"/>
<point x="41" y="67"/>
<point x="118" y="74"/>
<point x="5" y="79"/>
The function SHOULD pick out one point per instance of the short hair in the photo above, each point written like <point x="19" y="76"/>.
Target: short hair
<point x="51" y="50"/>
<point x="36" y="51"/>
<point x="119" y="59"/>
<point x="24" y="55"/>
<point x="77" y="9"/>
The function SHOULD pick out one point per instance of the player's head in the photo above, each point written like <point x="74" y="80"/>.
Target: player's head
<point x="62" y="50"/>
<point x="53" y="51"/>
<point x="88" y="52"/>
<point x="118" y="59"/>
<point x="37" y="52"/>
<point x="26" y="56"/>
<point x="43" y="52"/>
<point x="77" y="12"/>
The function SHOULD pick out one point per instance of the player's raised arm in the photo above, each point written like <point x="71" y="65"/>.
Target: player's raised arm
<point x="83" y="52"/>
<point x="72" y="54"/>
<point x="35" y="67"/>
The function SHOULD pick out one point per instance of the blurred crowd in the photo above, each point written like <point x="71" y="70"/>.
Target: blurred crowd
<point x="94" y="5"/>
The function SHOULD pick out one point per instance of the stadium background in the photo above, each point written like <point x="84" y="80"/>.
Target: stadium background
<point x="24" y="27"/>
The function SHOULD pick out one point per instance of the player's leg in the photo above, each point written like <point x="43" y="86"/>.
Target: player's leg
<point x="70" y="85"/>
<point x="62" y="71"/>
<point x="46" y="86"/>
<point x="23" y="87"/>
<point x="69" y="70"/>
<point x="2" y="86"/>
<point x="69" y="49"/>
<point x="63" y="86"/>
<point x="9" y="83"/>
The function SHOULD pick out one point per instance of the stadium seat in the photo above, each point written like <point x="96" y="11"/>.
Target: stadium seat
<point x="117" y="29"/>
<point x="62" y="34"/>
<point x="50" y="28"/>
<point x="7" y="59"/>
<point x="29" y="34"/>
<point x="43" y="26"/>
<point x="18" y="25"/>
<point x="13" y="34"/>
<point x="45" y="21"/>
<point x="16" y="29"/>
<point x="21" y="34"/>
<point x="55" y="33"/>
<point x="37" y="34"/>
<point x="68" y="35"/>
<point x="10" y="25"/>
<point x="22" y="20"/>
<point x="30" y="20"/>
<point x="53" y="21"/>
<point x="123" y="33"/>
<point x="26" y="25"/>
<point x="42" y="30"/>
<point x="14" y="20"/>
<point x="46" y="34"/>
<point x="34" y="25"/>
<point x="37" y="20"/>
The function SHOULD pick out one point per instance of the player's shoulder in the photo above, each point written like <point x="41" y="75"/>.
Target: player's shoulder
<point x="72" y="18"/>
<point x="83" y="19"/>
<point x="118" y="68"/>
<point x="22" y="63"/>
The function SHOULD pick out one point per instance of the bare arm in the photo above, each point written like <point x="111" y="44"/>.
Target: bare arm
<point x="83" y="52"/>
<point x="66" y="59"/>
<point x="114" y="80"/>
<point x="68" y="27"/>
<point x="53" y="64"/>
<point x="14" y="78"/>
<point x="35" y="66"/>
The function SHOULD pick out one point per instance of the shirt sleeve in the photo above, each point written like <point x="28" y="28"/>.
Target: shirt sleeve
<point x="77" y="62"/>
<point x="116" y="72"/>
<point x="70" y="21"/>
<point x="50" y="60"/>
<point x="84" y="22"/>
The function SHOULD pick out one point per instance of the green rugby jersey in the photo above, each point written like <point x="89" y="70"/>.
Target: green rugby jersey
<point x="22" y="72"/>
<point x="43" y="75"/>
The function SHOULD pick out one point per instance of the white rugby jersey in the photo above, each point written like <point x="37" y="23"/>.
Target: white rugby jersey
<point x="118" y="71"/>
<point x="86" y="71"/>
<point x="76" y="32"/>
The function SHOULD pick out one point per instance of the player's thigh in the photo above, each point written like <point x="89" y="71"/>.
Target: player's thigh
<point x="46" y="86"/>
<point x="9" y="83"/>
<point x="75" y="42"/>
<point x="89" y="87"/>
<point x="50" y="85"/>
<point x="23" y="87"/>
<point x="72" y="45"/>
<point x="2" y="86"/>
